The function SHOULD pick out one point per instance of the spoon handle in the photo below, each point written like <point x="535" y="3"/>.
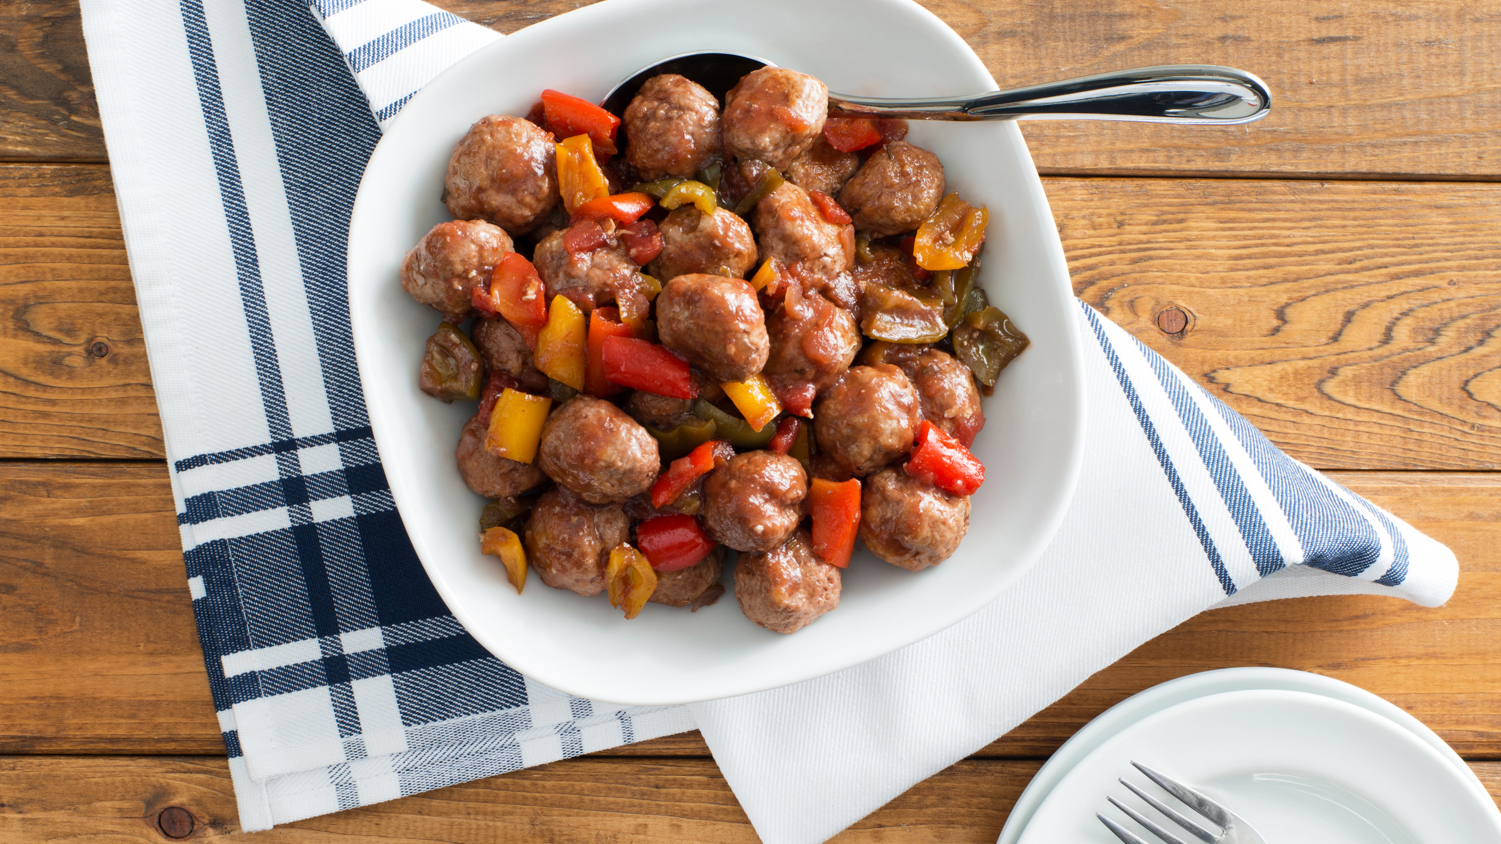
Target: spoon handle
<point x="1184" y="93"/>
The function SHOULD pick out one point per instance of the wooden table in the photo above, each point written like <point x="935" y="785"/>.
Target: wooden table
<point x="1333" y="273"/>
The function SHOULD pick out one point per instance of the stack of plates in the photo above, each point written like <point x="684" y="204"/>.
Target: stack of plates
<point x="1300" y="757"/>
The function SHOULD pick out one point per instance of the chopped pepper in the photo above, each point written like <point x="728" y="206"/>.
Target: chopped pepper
<point x="944" y="462"/>
<point x="954" y="287"/>
<point x="769" y="181"/>
<point x="829" y="209"/>
<point x="623" y="208"/>
<point x="585" y="236"/>
<point x="701" y="195"/>
<point x="562" y="346"/>
<point x="515" y="427"/>
<point x="986" y="341"/>
<point x="505" y="544"/>
<point x="737" y="431"/>
<point x="660" y="187"/>
<point x="646" y="366"/>
<point x="643" y="243"/>
<point x="569" y="115"/>
<point x="516" y="293"/>
<point x="673" y="543"/>
<point x="836" y="519"/>
<point x="629" y="579"/>
<point x="602" y="325"/>
<point x="899" y="315"/>
<point x="754" y="399"/>
<point x="848" y="134"/>
<point x="951" y="236"/>
<point x="681" y="439"/>
<point x="786" y="435"/>
<point x="579" y="177"/>
<point x="682" y="472"/>
<point x="765" y="275"/>
<point x="510" y="513"/>
<point x="451" y="366"/>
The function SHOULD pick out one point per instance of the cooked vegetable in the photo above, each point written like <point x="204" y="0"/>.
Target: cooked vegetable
<point x="515" y="427"/>
<point x="516" y="293"/>
<point x="786" y="435"/>
<point x="828" y="207"/>
<point x="836" y="519"/>
<point x="949" y="238"/>
<point x="602" y="325"/>
<point x="660" y="187"/>
<point x="769" y="181"/>
<point x="562" y="346"/>
<point x="683" y="438"/>
<point x="683" y="471"/>
<point x="568" y="115"/>
<point x="764" y="276"/>
<point x="848" y="134"/>
<point x="624" y="208"/>
<point x="509" y="513"/>
<point x="647" y="366"/>
<point x="505" y="544"/>
<point x="451" y="366"/>
<point x="579" y="176"/>
<point x="986" y="341"/>
<point x="754" y="399"/>
<point x="629" y="579"/>
<point x="944" y="462"/>
<point x="643" y="243"/>
<point x="901" y="315"/>
<point x="737" y="431"/>
<point x="701" y="195"/>
<point x="954" y="288"/>
<point x="674" y="542"/>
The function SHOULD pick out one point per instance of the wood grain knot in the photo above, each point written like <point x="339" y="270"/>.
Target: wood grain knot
<point x="1172" y="320"/>
<point x="175" y="822"/>
<point x="99" y="349"/>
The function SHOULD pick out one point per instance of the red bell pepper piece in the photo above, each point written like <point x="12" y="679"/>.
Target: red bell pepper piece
<point x="848" y="134"/>
<point x="829" y="208"/>
<point x="685" y="470"/>
<point x="646" y="366"/>
<point x="836" y="519"/>
<point x="643" y="243"/>
<point x="625" y="208"/>
<point x="944" y="462"/>
<point x="515" y="292"/>
<point x="785" y="436"/>
<point x="585" y="236"/>
<point x="672" y="543"/>
<point x="603" y="324"/>
<point x="569" y="115"/>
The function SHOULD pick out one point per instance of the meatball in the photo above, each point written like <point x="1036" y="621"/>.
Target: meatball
<point x="774" y="114"/>
<point x="896" y="189"/>
<point x="568" y="540"/>
<point x="795" y="234"/>
<point x="694" y="242"/>
<point x="909" y="523"/>
<point x="590" y="279"/>
<point x="787" y="588"/>
<point x="488" y="474"/>
<point x="595" y="449"/>
<point x="714" y="322"/>
<point x="672" y="128"/>
<point x="504" y="170"/>
<point x="503" y="350"/>
<point x="753" y="502"/>
<point x="451" y="260"/>
<point x="867" y="419"/>
<point x="948" y="395"/>
<point x="682" y="587"/>
<point x="823" y="168"/>
<point x="812" y="343"/>
<point x="662" y="412"/>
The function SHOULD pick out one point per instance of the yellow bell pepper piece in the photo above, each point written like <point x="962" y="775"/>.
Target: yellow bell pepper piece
<point x="563" y="346"/>
<point x="515" y="426"/>
<point x="754" y="399"/>
<point x="701" y="195"/>
<point x="505" y="544"/>
<point x="950" y="237"/>
<point x="579" y="176"/>
<point x="629" y="579"/>
<point x="764" y="276"/>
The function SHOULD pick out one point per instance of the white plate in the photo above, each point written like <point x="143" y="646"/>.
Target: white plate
<point x="1203" y="684"/>
<point x="1301" y="768"/>
<point x="1032" y="443"/>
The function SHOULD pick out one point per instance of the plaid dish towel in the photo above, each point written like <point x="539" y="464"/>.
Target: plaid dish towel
<point x="237" y="134"/>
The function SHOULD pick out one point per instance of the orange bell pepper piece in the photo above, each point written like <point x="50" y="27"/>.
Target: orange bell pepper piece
<point x="764" y="276"/>
<point x="754" y="399"/>
<point x="579" y="177"/>
<point x="950" y="237"/>
<point x="562" y="347"/>
<point x="515" y="427"/>
<point x="836" y="519"/>
<point x="505" y="544"/>
<point x="629" y="579"/>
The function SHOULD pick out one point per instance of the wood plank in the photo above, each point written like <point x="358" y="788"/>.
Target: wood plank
<point x="1359" y="91"/>
<point x="579" y="800"/>
<point x="101" y="654"/>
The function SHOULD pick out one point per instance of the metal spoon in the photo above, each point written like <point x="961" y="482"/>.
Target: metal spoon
<point x="1189" y="93"/>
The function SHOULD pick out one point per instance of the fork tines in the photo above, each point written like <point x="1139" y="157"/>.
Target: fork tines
<point x="1198" y="802"/>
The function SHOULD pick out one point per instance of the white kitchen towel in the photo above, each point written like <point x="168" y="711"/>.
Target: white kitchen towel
<point x="237" y="137"/>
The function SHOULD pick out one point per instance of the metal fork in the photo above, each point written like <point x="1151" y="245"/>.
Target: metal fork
<point x="1236" y="830"/>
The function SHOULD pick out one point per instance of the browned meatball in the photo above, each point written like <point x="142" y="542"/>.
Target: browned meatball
<point x="694" y="242"/>
<point x="794" y="233"/>
<point x="909" y="523"/>
<point x="590" y="279"/>
<point x="661" y="412"/>
<point x="595" y="449"/>
<point x="773" y="114"/>
<point x="714" y="322"/>
<point x="682" y="587"/>
<point x="896" y="189"/>
<point x="867" y="419"/>
<point x="823" y="168"/>
<point x="568" y="540"/>
<point x="753" y="502"/>
<point x="451" y="260"/>
<point x="487" y="474"/>
<point x="948" y="395"/>
<point x="787" y="588"/>
<point x="504" y="170"/>
<point x="812" y="342"/>
<point x="503" y="350"/>
<point x="671" y="127"/>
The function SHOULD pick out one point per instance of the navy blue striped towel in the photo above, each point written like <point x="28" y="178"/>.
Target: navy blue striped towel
<point x="237" y="137"/>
